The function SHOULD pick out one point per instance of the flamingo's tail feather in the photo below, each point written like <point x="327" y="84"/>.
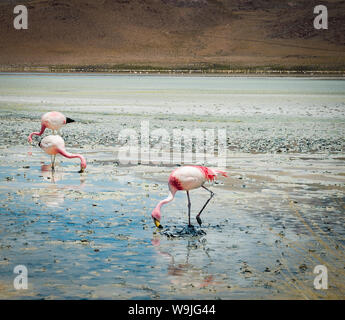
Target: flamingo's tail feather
<point x="223" y="173"/>
<point x="210" y="174"/>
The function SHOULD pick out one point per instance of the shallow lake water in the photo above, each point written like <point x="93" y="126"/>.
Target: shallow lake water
<point x="278" y="215"/>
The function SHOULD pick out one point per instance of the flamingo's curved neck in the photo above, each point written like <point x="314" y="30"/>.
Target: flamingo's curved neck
<point x="71" y="155"/>
<point x="170" y="197"/>
<point x="43" y="127"/>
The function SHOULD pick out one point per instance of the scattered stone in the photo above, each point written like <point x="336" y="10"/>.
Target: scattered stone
<point x="303" y="267"/>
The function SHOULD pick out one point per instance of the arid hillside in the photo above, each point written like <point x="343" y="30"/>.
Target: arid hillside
<point x="172" y="33"/>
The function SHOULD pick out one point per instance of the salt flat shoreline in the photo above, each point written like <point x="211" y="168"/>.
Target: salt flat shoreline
<point x="338" y="74"/>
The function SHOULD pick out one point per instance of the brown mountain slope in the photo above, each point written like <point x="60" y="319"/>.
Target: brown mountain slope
<point x="173" y="32"/>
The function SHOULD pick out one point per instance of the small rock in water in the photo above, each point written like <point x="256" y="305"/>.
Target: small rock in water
<point x="303" y="267"/>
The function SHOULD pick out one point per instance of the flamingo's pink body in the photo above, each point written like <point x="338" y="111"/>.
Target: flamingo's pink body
<point x="52" y="120"/>
<point x="186" y="178"/>
<point x="54" y="144"/>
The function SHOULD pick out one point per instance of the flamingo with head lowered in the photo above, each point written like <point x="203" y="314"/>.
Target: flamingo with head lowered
<point x="52" y="120"/>
<point x="54" y="145"/>
<point x="187" y="178"/>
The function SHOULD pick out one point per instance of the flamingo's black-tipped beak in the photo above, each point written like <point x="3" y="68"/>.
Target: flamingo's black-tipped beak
<point x="39" y="144"/>
<point x="157" y="223"/>
<point x="69" y="120"/>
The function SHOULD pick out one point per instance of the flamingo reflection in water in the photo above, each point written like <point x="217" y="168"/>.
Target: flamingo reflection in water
<point x="53" y="195"/>
<point x="185" y="274"/>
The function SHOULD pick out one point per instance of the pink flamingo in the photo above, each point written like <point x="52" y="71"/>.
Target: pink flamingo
<point x="52" y="120"/>
<point x="187" y="178"/>
<point x="55" y="144"/>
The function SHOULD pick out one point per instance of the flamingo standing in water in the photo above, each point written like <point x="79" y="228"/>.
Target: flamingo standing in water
<point x="187" y="178"/>
<point x="52" y="120"/>
<point x="55" y="144"/>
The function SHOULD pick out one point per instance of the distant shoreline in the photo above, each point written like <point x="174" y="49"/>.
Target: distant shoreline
<point x="216" y="70"/>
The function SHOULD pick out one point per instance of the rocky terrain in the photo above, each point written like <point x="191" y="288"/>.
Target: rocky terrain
<point x="173" y="33"/>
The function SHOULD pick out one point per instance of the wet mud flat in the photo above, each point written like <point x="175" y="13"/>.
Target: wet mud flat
<point x="91" y="236"/>
<point x="278" y="215"/>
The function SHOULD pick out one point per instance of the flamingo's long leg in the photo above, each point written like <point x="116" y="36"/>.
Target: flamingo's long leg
<point x="189" y="205"/>
<point x="202" y="209"/>
<point x="53" y="161"/>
